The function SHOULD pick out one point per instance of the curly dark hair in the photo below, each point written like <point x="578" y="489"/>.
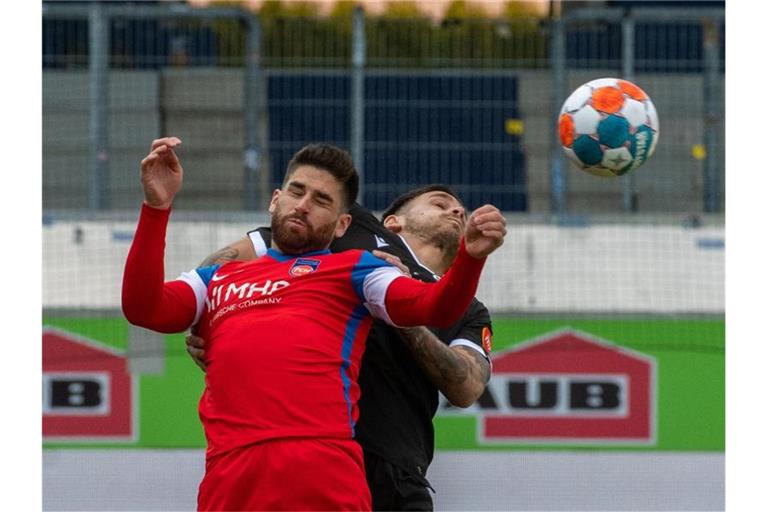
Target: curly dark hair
<point x="332" y="159"/>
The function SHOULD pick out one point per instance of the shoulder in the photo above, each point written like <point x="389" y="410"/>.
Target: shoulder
<point x="261" y="238"/>
<point x="365" y="232"/>
<point x="477" y="311"/>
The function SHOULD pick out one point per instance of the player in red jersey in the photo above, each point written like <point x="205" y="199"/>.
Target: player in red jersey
<point x="286" y="332"/>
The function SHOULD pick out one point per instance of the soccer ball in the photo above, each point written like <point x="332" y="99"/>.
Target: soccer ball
<point x="608" y="127"/>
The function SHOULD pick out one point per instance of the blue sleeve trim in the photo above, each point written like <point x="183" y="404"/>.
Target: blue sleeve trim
<point x="364" y="266"/>
<point x="350" y="333"/>
<point x="206" y="273"/>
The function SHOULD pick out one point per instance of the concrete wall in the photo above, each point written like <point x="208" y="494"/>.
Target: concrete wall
<point x="168" y="480"/>
<point x="204" y="107"/>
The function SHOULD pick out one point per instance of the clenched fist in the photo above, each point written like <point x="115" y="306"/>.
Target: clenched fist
<point x="485" y="231"/>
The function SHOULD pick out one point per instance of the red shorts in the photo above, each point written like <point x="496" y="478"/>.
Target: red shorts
<point x="287" y="474"/>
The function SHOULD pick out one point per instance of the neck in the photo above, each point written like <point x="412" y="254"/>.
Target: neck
<point x="435" y="258"/>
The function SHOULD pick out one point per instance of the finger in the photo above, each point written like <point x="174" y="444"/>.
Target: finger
<point x="489" y="216"/>
<point x="148" y="159"/>
<point x="195" y="341"/>
<point x="493" y="233"/>
<point x="165" y="141"/>
<point x="392" y="259"/>
<point x="492" y="226"/>
<point x="197" y="357"/>
<point x="486" y="208"/>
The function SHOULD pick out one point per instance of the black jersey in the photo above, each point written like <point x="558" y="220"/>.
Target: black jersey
<point x="398" y="401"/>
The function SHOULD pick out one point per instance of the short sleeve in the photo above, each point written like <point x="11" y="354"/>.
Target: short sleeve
<point x="476" y="331"/>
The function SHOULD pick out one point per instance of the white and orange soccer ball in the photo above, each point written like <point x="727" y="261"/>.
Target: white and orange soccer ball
<point x="608" y="127"/>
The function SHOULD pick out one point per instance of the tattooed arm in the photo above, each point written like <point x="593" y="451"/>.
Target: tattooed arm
<point x="461" y="373"/>
<point x="242" y="250"/>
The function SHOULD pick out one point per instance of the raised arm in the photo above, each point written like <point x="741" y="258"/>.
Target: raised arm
<point x="146" y="300"/>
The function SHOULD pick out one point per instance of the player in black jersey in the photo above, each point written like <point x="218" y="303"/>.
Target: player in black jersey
<point x="399" y="393"/>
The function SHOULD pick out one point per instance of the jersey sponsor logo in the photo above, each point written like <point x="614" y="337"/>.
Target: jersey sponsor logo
<point x="303" y="266"/>
<point x="487" y="340"/>
<point x="224" y="293"/>
<point x="567" y="387"/>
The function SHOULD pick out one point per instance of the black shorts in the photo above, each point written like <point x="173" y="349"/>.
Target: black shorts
<point x="393" y="488"/>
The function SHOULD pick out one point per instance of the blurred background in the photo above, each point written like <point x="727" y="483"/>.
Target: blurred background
<point x="464" y="93"/>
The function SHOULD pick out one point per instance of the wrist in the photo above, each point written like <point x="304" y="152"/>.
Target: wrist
<point x="464" y="250"/>
<point x="161" y="206"/>
<point x="151" y="212"/>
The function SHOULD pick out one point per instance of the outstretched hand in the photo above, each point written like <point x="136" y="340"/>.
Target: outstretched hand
<point x="485" y="231"/>
<point x="161" y="173"/>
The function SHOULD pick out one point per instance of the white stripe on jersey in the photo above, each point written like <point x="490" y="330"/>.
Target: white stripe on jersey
<point x="375" y="288"/>
<point x="258" y="243"/>
<point x="461" y="342"/>
<point x="200" y="289"/>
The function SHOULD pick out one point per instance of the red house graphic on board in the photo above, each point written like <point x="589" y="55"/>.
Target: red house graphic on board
<point x="568" y="387"/>
<point x="88" y="391"/>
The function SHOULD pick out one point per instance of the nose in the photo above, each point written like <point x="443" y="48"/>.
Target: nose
<point x="460" y="212"/>
<point x="302" y="206"/>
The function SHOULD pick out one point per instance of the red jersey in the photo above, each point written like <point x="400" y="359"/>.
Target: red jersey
<point x="285" y="337"/>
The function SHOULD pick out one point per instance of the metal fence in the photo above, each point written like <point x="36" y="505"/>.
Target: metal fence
<point x="471" y="102"/>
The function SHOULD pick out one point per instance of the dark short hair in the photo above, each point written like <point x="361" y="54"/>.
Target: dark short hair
<point x="402" y="200"/>
<point x="332" y="159"/>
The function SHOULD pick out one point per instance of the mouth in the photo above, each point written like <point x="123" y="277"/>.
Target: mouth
<point x="296" y="221"/>
<point x="457" y="222"/>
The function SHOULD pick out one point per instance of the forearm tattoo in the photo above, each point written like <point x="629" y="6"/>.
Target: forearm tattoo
<point x="481" y="371"/>
<point x="444" y="366"/>
<point x="224" y="255"/>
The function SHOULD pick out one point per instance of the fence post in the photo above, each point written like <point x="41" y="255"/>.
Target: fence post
<point x="629" y="195"/>
<point x="98" y="128"/>
<point x="711" y="119"/>
<point x="357" y="101"/>
<point x="558" y="185"/>
<point x="257" y="160"/>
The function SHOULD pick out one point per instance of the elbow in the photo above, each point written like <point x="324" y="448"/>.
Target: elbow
<point x="465" y="396"/>
<point x="132" y="315"/>
<point x="461" y="402"/>
<point x="135" y="313"/>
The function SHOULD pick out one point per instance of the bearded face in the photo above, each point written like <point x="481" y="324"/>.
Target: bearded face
<point x="295" y="234"/>
<point x="441" y="230"/>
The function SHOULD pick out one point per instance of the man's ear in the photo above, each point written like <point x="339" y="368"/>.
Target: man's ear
<point x="393" y="223"/>
<point x="342" y="224"/>
<point x="273" y="201"/>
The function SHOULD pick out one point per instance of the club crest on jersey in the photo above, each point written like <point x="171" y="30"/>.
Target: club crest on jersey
<point x="303" y="266"/>
<point x="487" y="343"/>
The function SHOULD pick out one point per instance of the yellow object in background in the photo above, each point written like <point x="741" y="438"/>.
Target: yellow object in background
<point x="699" y="151"/>
<point x="514" y="126"/>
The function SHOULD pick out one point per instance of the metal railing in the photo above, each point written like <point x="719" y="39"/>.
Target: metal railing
<point x="171" y="46"/>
